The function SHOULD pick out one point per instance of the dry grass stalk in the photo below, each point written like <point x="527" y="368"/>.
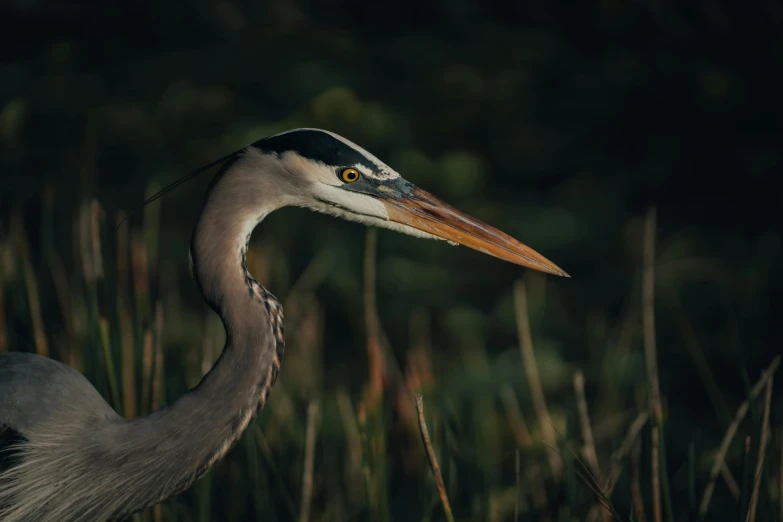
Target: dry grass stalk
<point x="147" y="357"/>
<point x="157" y="376"/>
<point x="309" y="462"/>
<point x="425" y="437"/>
<point x="636" y="489"/>
<point x="745" y="467"/>
<point x="140" y="270"/>
<point x="61" y="290"/>
<point x="151" y="224"/>
<point x="625" y="449"/>
<point x="656" y="482"/>
<point x="89" y="243"/>
<point x="780" y="480"/>
<point x="764" y="439"/>
<point x="96" y="214"/>
<point x="128" y="364"/>
<point x="367" y="478"/>
<point x="31" y="286"/>
<point x="353" y="439"/>
<point x="730" y="481"/>
<point x="519" y="488"/>
<point x="126" y="328"/>
<point x="534" y="380"/>
<point x="374" y="354"/>
<point x="720" y="455"/>
<point x="617" y="460"/>
<point x="588" y="449"/>
<point x="122" y="258"/>
<point x="648" y="315"/>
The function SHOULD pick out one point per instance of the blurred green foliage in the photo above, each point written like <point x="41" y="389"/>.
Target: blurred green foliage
<point x="560" y="125"/>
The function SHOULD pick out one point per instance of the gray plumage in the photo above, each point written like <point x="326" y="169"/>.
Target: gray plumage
<point x="72" y="457"/>
<point x="78" y="460"/>
<point x="66" y="456"/>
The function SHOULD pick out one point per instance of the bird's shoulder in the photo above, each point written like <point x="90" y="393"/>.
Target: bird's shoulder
<point x="36" y="389"/>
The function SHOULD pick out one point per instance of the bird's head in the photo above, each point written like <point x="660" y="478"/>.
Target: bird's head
<point x="328" y="173"/>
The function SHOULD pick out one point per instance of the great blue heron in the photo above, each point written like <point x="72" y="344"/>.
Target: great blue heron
<point x="70" y="457"/>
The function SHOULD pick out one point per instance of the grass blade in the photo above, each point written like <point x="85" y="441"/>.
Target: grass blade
<point x="720" y="455"/>
<point x="533" y="377"/>
<point x="763" y="438"/>
<point x="309" y="461"/>
<point x="425" y="437"/>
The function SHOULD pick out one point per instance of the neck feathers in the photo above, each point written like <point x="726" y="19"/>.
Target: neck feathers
<point x="204" y="424"/>
<point x="106" y="467"/>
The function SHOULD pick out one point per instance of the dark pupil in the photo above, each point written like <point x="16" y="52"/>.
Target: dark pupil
<point x="351" y="175"/>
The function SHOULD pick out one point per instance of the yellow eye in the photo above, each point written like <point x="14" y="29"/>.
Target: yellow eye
<point x="349" y="175"/>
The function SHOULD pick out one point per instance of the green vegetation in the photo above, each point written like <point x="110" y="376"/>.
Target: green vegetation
<point x="641" y="171"/>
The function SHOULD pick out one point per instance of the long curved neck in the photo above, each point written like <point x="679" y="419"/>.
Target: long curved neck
<point x="186" y="438"/>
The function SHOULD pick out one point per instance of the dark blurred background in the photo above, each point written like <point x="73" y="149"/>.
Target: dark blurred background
<point x="564" y="125"/>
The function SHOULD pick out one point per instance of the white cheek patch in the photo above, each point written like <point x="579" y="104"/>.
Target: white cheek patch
<point x="346" y="204"/>
<point x="360" y="208"/>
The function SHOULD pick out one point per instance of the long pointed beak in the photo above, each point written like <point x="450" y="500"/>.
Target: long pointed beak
<point x="422" y="210"/>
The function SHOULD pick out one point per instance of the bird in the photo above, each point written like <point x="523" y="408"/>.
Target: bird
<point x="66" y="455"/>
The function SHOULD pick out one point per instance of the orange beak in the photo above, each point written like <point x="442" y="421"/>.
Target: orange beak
<point x="423" y="211"/>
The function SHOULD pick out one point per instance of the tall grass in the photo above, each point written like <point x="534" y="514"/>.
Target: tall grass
<point x="500" y="450"/>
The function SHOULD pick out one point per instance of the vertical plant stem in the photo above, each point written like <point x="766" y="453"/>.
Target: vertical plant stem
<point x="665" y="489"/>
<point x="111" y="371"/>
<point x="157" y="378"/>
<point x="140" y="270"/>
<point x="369" y="491"/>
<point x="533" y="378"/>
<point x="425" y="437"/>
<point x="692" y="480"/>
<point x="374" y="356"/>
<point x="745" y="495"/>
<point x="648" y="316"/>
<point x="763" y="439"/>
<point x="587" y="431"/>
<point x="648" y="327"/>
<point x="147" y="359"/>
<point x="780" y="480"/>
<point x="617" y="460"/>
<point x="31" y="287"/>
<point x="651" y="358"/>
<point x="636" y="488"/>
<point x="353" y="438"/>
<point x="129" y="395"/>
<point x="309" y="461"/>
<point x="655" y="479"/>
<point x="519" y="486"/>
<point x="373" y="398"/>
<point x="65" y="300"/>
